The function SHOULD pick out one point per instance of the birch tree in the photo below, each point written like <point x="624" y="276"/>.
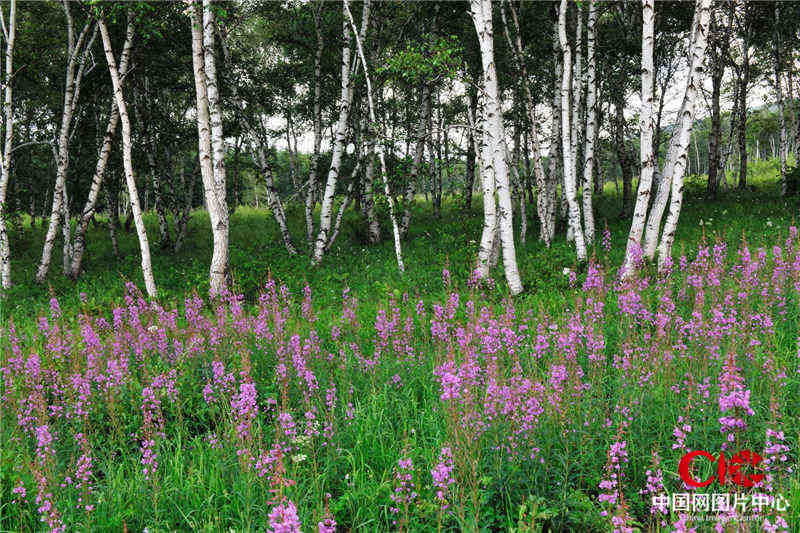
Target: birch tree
<point x="340" y="134"/>
<point x="311" y="186"/>
<point x="77" y="56"/>
<point x="591" y="124"/>
<point x="647" y="152"/>
<point x="210" y="141"/>
<point x="495" y="144"/>
<point x="778" y="66"/>
<point x="700" y="40"/>
<point x="573" y="214"/>
<point x="677" y="154"/>
<point x="9" y="34"/>
<point x="373" y="122"/>
<point x="144" y="246"/>
<point x="215" y="194"/>
<point x="79" y="245"/>
<point x="530" y="109"/>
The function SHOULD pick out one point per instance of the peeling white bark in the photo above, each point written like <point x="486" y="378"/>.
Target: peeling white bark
<point x="374" y="121"/>
<point x="494" y="135"/>
<point x="144" y="246"/>
<point x="9" y="31"/>
<point x="647" y="153"/>
<point x="573" y="214"/>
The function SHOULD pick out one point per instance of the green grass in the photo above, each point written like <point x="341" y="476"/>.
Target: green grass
<point x="202" y="488"/>
<point x="256" y="251"/>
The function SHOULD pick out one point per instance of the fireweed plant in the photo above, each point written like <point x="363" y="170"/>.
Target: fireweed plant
<point x="427" y="415"/>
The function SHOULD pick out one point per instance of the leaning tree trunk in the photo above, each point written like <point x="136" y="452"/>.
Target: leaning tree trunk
<point x="591" y="126"/>
<point x="5" y="164"/>
<point x="144" y="246"/>
<point x="647" y="152"/>
<point x="677" y="153"/>
<point x="99" y="172"/>
<point x="481" y="12"/>
<point x="338" y="144"/>
<point x="574" y="213"/>
<point x="75" y="48"/>
<point x="693" y="86"/>
<point x="373" y="123"/>
<point x="538" y="168"/>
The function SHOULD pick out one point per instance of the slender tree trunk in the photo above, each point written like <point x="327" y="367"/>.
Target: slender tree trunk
<point x="481" y="12"/>
<point x="5" y="165"/>
<point x="374" y="229"/>
<point x="548" y="195"/>
<point x="676" y="148"/>
<point x="99" y="172"/>
<point x="488" y="188"/>
<point x="217" y="202"/>
<point x="591" y="125"/>
<point x="778" y="64"/>
<point x="538" y="168"/>
<point x="74" y="74"/>
<point x="574" y="213"/>
<point x="311" y="186"/>
<point x="144" y="246"/>
<point x="338" y="143"/>
<point x="577" y="96"/>
<point x="703" y="7"/>
<point x="374" y="121"/>
<point x="741" y="129"/>
<point x="647" y="159"/>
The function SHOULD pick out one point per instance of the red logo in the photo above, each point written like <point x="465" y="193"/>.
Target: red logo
<point x="726" y="470"/>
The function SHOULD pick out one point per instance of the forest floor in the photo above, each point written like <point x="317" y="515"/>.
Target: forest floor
<point x="350" y="394"/>
<point x="758" y="214"/>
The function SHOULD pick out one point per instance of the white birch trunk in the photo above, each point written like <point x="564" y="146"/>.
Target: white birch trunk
<point x="338" y="145"/>
<point x="494" y="133"/>
<point x="779" y="93"/>
<point x="373" y="122"/>
<point x="538" y="169"/>
<point x="144" y="246"/>
<point x="665" y="182"/>
<point x="591" y="126"/>
<point x="311" y="186"/>
<point x="550" y="200"/>
<point x="693" y="86"/>
<point x="216" y="202"/>
<point x="573" y="214"/>
<point x="75" y="49"/>
<point x="79" y="246"/>
<point x="647" y="154"/>
<point x="488" y="188"/>
<point x="577" y="91"/>
<point x="5" y="165"/>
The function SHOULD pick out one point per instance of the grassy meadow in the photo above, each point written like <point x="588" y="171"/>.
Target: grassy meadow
<point x="352" y="398"/>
